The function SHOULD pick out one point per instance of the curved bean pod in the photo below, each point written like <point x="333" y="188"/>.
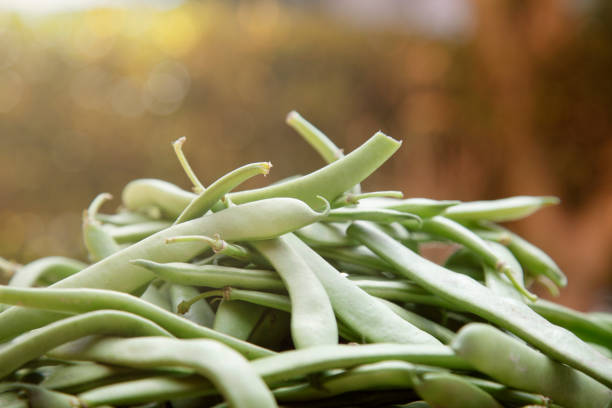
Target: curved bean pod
<point x="98" y="241"/>
<point x="317" y="139"/>
<point x="209" y="197"/>
<point x="331" y="180"/>
<point x="358" y="255"/>
<point x="214" y="276"/>
<point x="478" y="299"/>
<point x="351" y="198"/>
<point x="85" y="300"/>
<point x="70" y="377"/>
<point x="177" y="145"/>
<point x="376" y="215"/>
<point x="360" y="312"/>
<point x="451" y="391"/>
<point x="325" y="234"/>
<point x="500" y="283"/>
<point x="127" y="234"/>
<point x="312" y="318"/>
<point x="57" y="266"/>
<point x="38" y="342"/>
<point x="145" y="193"/>
<point x="39" y="397"/>
<point x="456" y="232"/>
<point x="123" y="218"/>
<point x="531" y="257"/>
<point x="514" y="363"/>
<point x="423" y="207"/>
<point x="230" y="373"/>
<point x="262" y="219"/>
<point x="295" y="363"/>
<point x="505" y="209"/>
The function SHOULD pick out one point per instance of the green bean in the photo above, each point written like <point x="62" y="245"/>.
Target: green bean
<point x="360" y="312"/>
<point x="358" y="255"/>
<point x="295" y="363"/>
<point x="451" y="391"/>
<point x="312" y="317"/>
<point x="160" y="388"/>
<point x="271" y="331"/>
<point x="72" y="377"/>
<point x="351" y="198"/>
<point x="12" y="400"/>
<point x="82" y="300"/>
<point x="145" y="193"/>
<point x="123" y="217"/>
<point x="222" y="247"/>
<point x="423" y="207"/>
<point x="331" y="180"/>
<point x="201" y="314"/>
<point x="51" y="268"/>
<point x="157" y="295"/>
<point x="317" y="139"/>
<point x="236" y="318"/>
<point x="127" y="234"/>
<point x="98" y="241"/>
<point x="466" y="262"/>
<point x="214" y="276"/>
<point x="506" y="209"/>
<point x="177" y="145"/>
<point x="475" y="298"/>
<point x="39" y="397"/>
<point x="209" y="197"/>
<point x="230" y="372"/>
<point x="377" y="215"/>
<point x="512" y="362"/>
<point x="325" y="234"/>
<point x="602" y="318"/>
<point x="531" y="257"/>
<point x="38" y="342"/>
<point x="262" y="219"/>
<point x="387" y="375"/>
<point x="581" y="324"/>
<point x="454" y="231"/>
<point x="499" y="283"/>
<point x="438" y="331"/>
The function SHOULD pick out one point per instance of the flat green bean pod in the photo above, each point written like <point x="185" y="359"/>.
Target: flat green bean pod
<point x="83" y="300"/>
<point x="230" y="373"/>
<point x="38" y="342"/>
<point x="52" y="268"/>
<point x="505" y="209"/>
<point x="352" y="198"/>
<point x="360" y="312"/>
<point x="127" y="234"/>
<point x="262" y="219"/>
<point x="512" y="362"/>
<point x="325" y="234"/>
<point x="451" y="391"/>
<point x="423" y="207"/>
<point x="312" y="317"/>
<point x="67" y="378"/>
<point x="500" y="283"/>
<point x="382" y="215"/>
<point x="209" y="197"/>
<point x="145" y="193"/>
<point x="358" y="255"/>
<point x="478" y="299"/>
<point x="98" y="241"/>
<point x="201" y="314"/>
<point x="295" y="363"/>
<point x="236" y="318"/>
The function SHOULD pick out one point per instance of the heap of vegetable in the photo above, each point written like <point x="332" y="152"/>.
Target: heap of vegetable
<point x="308" y="292"/>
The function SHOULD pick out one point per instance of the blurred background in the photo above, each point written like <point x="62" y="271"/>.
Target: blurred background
<point x="491" y="99"/>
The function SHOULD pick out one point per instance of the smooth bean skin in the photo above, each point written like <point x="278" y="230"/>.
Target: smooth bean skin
<point x="478" y="299"/>
<point x="83" y="300"/>
<point x="230" y="372"/>
<point x="360" y="312"/>
<point x="59" y="266"/>
<point x="214" y="276"/>
<point x="451" y="391"/>
<point x="514" y="363"/>
<point x="205" y="201"/>
<point x="382" y="215"/>
<point x="145" y="193"/>
<point x="331" y="180"/>
<point x="236" y="318"/>
<point x="499" y="283"/>
<point x="201" y="313"/>
<point x="39" y="397"/>
<point x="317" y="139"/>
<point x="505" y="209"/>
<point x="295" y="363"/>
<point x="38" y="342"/>
<point x="127" y="234"/>
<point x="423" y="207"/>
<point x="358" y="255"/>
<point x="312" y="318"/>
<point x="69" y="377"/>
<point x="97" y="240"/>
<point x="262" y="219"/>
<point x="325" y="234"/>
<point x="531" y="257"/>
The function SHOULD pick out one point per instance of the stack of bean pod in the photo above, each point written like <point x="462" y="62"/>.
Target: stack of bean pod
<point x="305" y="293"/>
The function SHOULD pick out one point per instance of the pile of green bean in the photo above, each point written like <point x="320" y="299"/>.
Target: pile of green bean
<point x="305" y="293"/>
